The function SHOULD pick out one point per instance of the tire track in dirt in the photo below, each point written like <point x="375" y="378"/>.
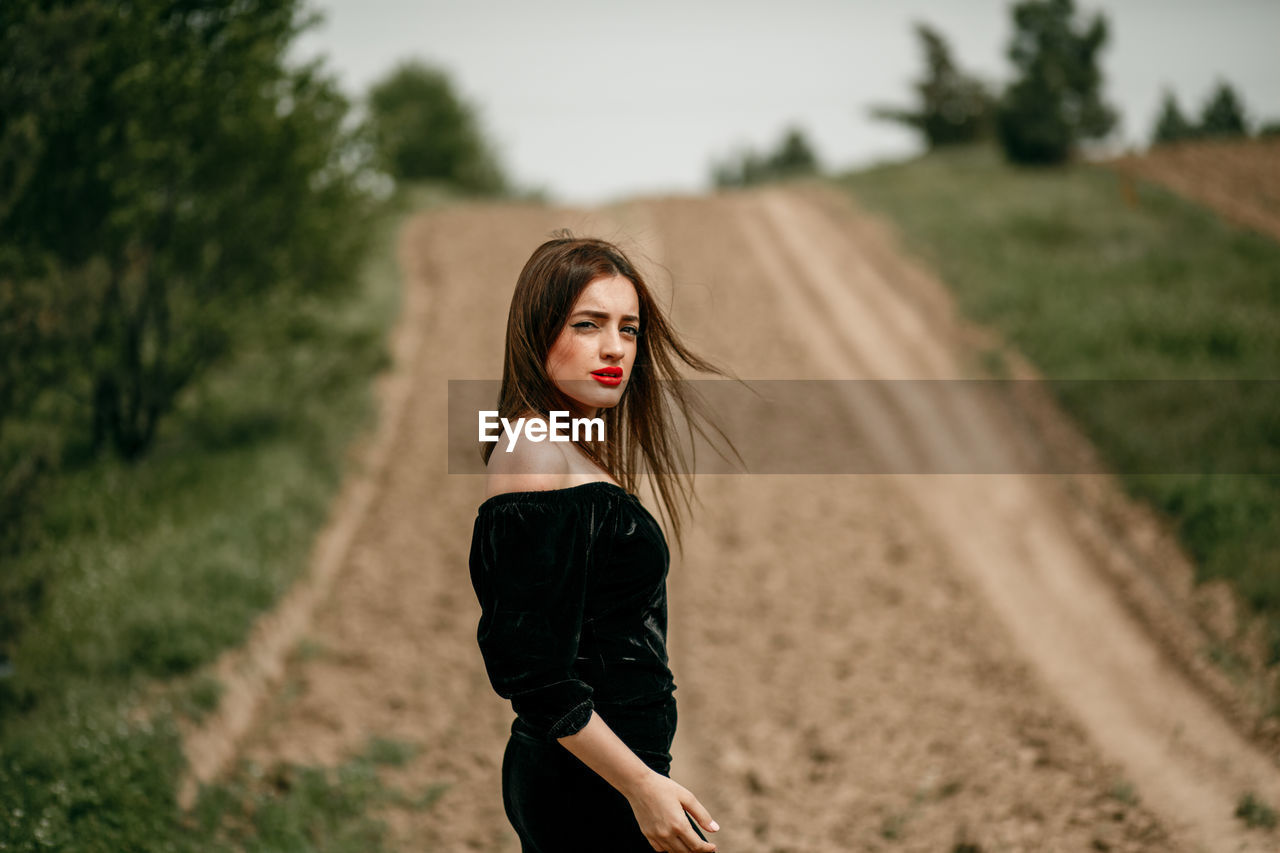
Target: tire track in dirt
<point x="1006" y="531"/>
<point x="846" y="676"/>
<point x="845" y="690"/>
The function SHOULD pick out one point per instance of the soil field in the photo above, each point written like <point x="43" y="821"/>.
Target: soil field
<point x="909" y="662"/>
<point x="1239" y="179"/>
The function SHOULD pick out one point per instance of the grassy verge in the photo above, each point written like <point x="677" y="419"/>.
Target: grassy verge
<point x="148" y="571"/>
<point x="1092" y="282"/>
<point x="292" y="807"/>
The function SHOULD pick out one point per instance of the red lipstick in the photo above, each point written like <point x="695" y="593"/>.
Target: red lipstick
<point x="608" y="375"/>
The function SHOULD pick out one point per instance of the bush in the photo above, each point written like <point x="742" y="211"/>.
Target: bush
<point x="1056" y="100"/>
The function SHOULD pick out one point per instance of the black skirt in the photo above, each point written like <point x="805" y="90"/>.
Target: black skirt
<point x="557" y="804"/>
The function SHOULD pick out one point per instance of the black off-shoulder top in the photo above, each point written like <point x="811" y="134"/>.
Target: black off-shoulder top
<point x="572" y="589"/>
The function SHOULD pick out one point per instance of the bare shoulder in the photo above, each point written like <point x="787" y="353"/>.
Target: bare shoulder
<point x="529" y="466"/>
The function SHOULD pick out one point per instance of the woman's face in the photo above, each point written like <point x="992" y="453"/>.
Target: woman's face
<point x="591" y="360"/>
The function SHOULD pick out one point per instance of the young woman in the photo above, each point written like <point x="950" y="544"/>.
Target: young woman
<point x="570" y="568"/>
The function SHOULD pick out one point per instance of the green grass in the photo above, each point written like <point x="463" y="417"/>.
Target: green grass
<point x="1122" y="790"/>
<point x="1090" y="287"/>
<point x="1255" y="813"/>
<point x="316" y="809"/>
<point x="144" y="573"/>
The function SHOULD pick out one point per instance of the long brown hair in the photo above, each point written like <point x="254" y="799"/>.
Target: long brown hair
<point x="639" y="430"/>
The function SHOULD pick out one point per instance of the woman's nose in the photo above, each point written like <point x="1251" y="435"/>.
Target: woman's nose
<point x="611" y="345"/>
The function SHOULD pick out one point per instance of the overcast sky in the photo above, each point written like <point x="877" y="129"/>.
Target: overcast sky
<point x="598" y="100"/>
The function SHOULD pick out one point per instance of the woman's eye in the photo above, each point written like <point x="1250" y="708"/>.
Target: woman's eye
<point x="630" y="330"/>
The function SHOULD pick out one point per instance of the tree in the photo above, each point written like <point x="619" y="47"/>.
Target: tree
<point x="793" y="157"/>
<point x="162" y="169"/>
<point x="1056" y="99"/>
<point x="742" y="169"/>
<point x="1223" y="115"/>
<point x="955" y="108"/>
<point x="422" y="131"/>
<point x="1172" y="125"/>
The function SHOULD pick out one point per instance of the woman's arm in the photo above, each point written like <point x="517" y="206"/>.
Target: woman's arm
<point x="658" y="802"/>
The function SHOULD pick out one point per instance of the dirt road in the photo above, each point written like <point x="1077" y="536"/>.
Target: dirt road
<point x="884" y="662"/>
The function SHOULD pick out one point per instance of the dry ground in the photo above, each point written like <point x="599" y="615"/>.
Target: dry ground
<point x="881" y="662"/>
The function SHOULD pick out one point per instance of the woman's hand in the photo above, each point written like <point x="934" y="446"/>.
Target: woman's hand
<point x="660" y="805"/>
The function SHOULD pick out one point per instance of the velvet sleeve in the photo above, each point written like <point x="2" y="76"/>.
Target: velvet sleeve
<point x="528" y="563"/>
